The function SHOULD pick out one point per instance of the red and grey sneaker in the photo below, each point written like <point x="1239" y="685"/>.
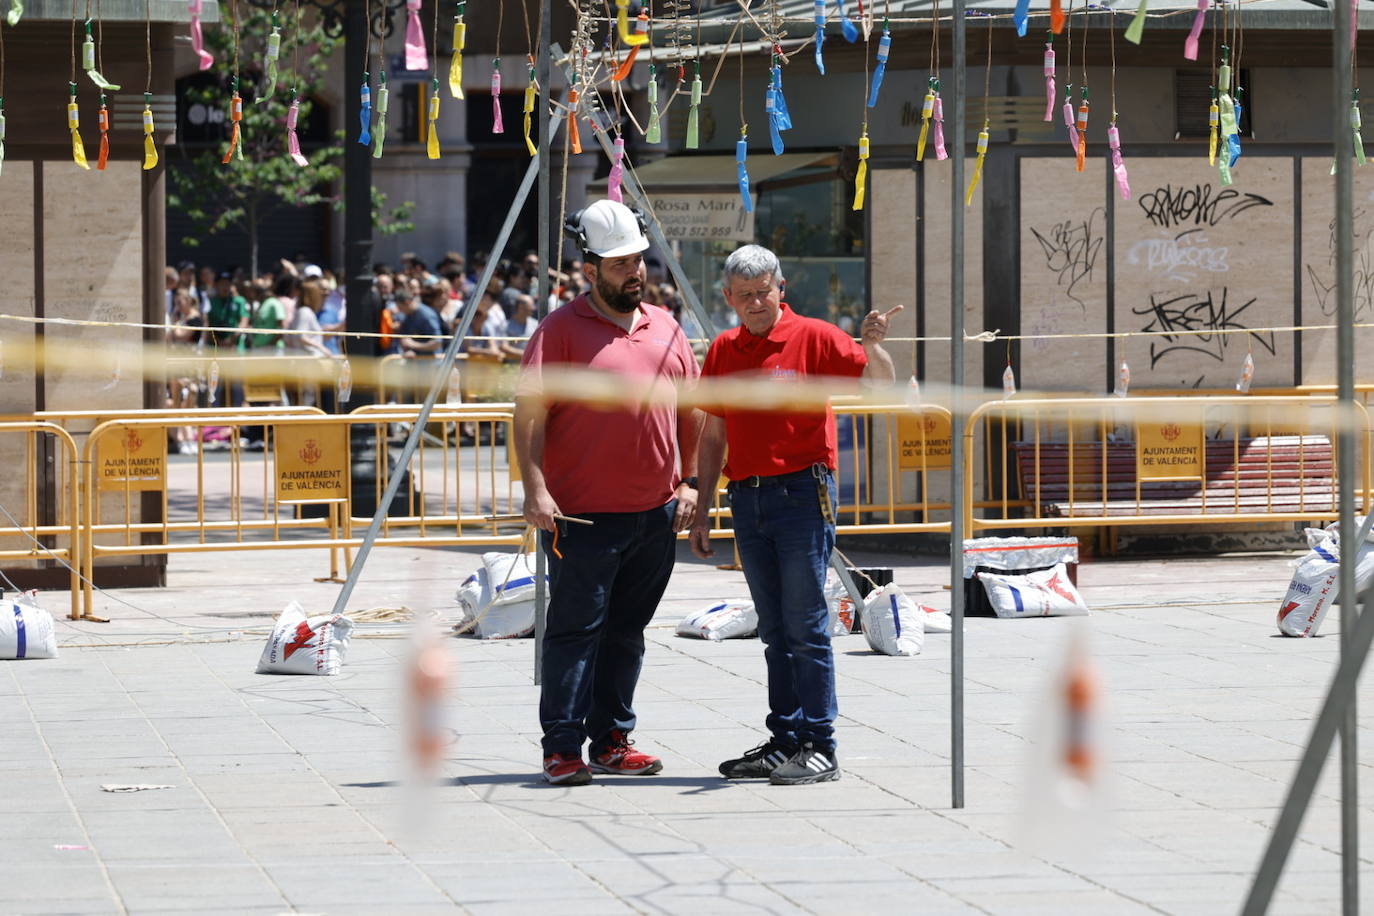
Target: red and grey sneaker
<point x="619" y="757"/>
<point x="566" y="770"/>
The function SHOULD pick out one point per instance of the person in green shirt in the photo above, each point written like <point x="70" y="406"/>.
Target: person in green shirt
<point x="267" y="312"/>
<point x="227" y="310"/>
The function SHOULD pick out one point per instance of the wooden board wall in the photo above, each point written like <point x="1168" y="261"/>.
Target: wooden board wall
<point x="1063" y="273"/>
<point x="1194" y="255"/>
<point x="1318" y="272"/>
<point x="93" y="270"/>
<point x="1185" y="253"/>
<point x="937" y="277"/>
<point x="17" y="390"/>
<point x="893" y="244"/>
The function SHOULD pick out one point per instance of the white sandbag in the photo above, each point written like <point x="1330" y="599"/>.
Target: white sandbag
<point x="306" y="645"/>
<point x="1312" y="589"/>
<point x="723" y="620"/>
<point x="937" y="621"/>
<point x="839" y="605"/>
<point x="1316" y="583"/>
<point x="1335" y="529"/>
<point x="1017" y="553"/>
<point x="497" y="601"/>
<point x="1047" y="593"/>
<point x="893" y="623"/>
<point x="26" y="630"/>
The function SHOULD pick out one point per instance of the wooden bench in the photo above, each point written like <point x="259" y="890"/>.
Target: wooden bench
<point x="1265" y="474"/>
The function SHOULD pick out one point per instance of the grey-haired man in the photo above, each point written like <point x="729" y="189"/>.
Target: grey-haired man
<point x="782" y="496"/>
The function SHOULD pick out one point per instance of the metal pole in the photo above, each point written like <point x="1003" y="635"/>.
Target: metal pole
<point x="357" y="191"/>
<point x="1346" y="445"/>
<point x="956" y="384"/>
<point x="850" y="586"/>
<point x="1339" y="709"/>
<point x="1338" y="697"/>
<point x="441" y="373"/>
<point x="543" y="286"/>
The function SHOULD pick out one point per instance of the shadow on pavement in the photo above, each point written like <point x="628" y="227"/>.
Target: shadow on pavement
<point x="698" y="783"/>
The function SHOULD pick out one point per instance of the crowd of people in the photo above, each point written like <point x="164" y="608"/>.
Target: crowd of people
<point x="216" y="312"/>
<point x="419" y="307"/>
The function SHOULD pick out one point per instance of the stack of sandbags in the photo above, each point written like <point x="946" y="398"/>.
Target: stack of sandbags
<point x="497" y="601"/>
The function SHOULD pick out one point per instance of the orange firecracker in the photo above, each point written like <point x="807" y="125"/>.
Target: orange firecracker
<point x="1080" y="700"/>
<point x="428" y="683"/>
<point x="104" y="156"/>
<point x="573" y="137"/>
<point x="1082" y="135"/>
<point x="235" y="115"/>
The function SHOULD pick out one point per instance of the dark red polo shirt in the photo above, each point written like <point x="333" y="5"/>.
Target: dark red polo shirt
<point x="621" y="458"/>
<point x="796" y="349"/>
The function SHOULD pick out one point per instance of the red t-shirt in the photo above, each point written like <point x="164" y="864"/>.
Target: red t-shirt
<point x="796" y="349"/>
<point x="610" y="458"/>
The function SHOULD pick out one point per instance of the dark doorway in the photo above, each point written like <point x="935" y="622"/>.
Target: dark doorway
<point x="499" y="162"/>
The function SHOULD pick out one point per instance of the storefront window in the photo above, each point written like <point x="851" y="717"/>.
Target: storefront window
<point x="808" y="221"/>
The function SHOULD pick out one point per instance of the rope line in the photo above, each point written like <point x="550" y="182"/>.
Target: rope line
<point x="985" y="336"/>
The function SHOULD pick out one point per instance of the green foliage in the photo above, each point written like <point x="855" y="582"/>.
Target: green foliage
<point x="393" y="221"/>
<point x="244" y="193"/>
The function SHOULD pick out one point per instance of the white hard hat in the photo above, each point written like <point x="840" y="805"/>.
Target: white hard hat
<point x="609" y="230"/>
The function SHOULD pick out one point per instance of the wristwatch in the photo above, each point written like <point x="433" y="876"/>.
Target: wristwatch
<point x="689" y="481"/>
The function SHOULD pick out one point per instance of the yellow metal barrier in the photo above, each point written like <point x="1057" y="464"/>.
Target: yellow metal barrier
<point x="1067" y="462"/>
<point x="69" y="427"/>
<point x="1057" y="462"/>
<point x="39" y="541"/>
<point x="264" y="377"/>
<point x="399" y="378"/>
<point x="481" y="377"/>
<point x="69" y="418"/>
<point x="256" y="501"/>
<point x="885" y="474"/>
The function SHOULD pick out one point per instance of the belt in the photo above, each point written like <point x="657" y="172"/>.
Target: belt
<point x="778" y="480"/>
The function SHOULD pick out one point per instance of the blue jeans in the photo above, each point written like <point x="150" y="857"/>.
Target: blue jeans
<point x="604" y="592"/>
<point x="784" y="544"/>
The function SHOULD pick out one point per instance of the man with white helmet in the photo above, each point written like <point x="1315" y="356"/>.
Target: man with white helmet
<point x="627" y="468"/>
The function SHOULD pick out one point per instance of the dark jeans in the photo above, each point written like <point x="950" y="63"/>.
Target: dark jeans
<point x="784" y="544"/>
<point x="604" y="592"/>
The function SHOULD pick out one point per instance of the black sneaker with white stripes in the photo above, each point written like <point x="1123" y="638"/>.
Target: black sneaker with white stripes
<point x="806" y="766"/>
<point x="758" y="763"/>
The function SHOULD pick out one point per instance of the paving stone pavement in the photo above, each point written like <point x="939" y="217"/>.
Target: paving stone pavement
<point x="287" y="793"/>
